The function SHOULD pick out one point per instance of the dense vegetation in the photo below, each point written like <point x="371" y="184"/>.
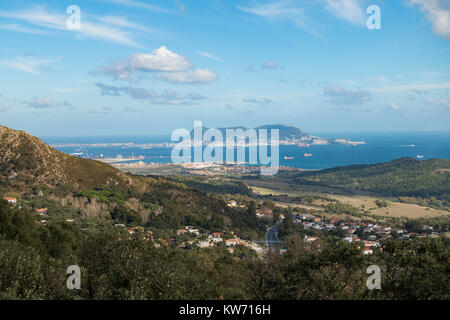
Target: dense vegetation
<point x="426" y="182"/>
<point x="115" y="265"/>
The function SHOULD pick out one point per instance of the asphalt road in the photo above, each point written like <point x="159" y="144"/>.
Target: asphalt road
<point x="272" y="240"/>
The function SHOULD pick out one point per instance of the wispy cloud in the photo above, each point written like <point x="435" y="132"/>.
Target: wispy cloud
<point x="169" y="97"/>
<point x="140" y="5"/>
<point x="262" y="102"/>
<point x="437" y="11"/>
<point x="180" y="5"/>
<point x="22" y="29"/>
<point x="349" y="10"/>
<point x="269" y="65"/>
<point x="440" y="102"/>
<point x="340" y="96"/>
<point x="283" y="10"/>
<point x="120" y="21"/>
<point x="42" y="18"/>
<point x="410" y="87"/>
<point x="28" y="64"/>
<point x="44" y="103"/>
<point x="4" y="108"/>
<point x="209" y="56"/>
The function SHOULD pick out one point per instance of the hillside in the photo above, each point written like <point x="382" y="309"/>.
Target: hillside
<point x="425" y="183"/>
<point x="26" y="162"/>
<point x="401" y="177"/>
<point x="43" y="177"/>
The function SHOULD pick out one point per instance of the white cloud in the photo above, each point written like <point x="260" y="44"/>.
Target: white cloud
<point x="4" y="108"/>
<point x="125" y="23"/>
<point x="140" y="5"/>
<point x="180" y="5"/>
<point x="349" y="10"/>
<point x="341" y="96"/>
<point x="438" y="13"/>
<point x="441" y="102"/>
<point x="28" y="64"/>
<point x="409" y="87"/>
<point x="44" y="103"/>
<point x="165" y="97"/>
<point x="269" y="65"/>
<point x="192" y="76"/>
<point x="161" y="59"/>
<point x="38" y="16"/>
<point x="262" y="102"/>
<point x="392" y="107"/>
<point x="19" y="28"/>
<point x="285" y="10"/>
<point x="209" y="56"/>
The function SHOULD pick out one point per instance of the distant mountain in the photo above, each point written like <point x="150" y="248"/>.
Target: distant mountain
<point x="285" y="131"/>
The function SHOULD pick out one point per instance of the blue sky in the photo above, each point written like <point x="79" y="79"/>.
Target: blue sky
<point x="148" y="67"/>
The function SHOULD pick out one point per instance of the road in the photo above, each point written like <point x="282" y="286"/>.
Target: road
<point x="272" y="240"/>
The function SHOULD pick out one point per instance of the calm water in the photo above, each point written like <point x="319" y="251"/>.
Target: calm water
<point x="379" y="147"/>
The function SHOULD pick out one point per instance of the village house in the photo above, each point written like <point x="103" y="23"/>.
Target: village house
<point x="310" y="239"/>
<point x="232" y="242"/>
<point x="10" y="200"/>
<point x="193" y="230"/>
<point x="231" y="204"/>
<point x="42" y="212"/>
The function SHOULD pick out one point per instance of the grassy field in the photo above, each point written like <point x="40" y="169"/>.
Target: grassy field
<point x="364" y="203"/>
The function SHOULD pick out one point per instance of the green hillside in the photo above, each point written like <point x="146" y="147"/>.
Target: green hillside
<point x="41" y="176"/>
<point x="427" y="181"/>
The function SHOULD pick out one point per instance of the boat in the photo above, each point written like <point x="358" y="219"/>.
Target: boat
<point x="303" y="145"/>
<point x="308" y="154"/>
<point x="411" y="145"/>
<point x="288" y="158"/>
<point x="419" y="156"/>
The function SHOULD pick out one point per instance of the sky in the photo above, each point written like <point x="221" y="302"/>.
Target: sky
<point x="132" y="67"/>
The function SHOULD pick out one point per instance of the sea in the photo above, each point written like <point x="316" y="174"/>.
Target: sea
<point x="379" y="147"/>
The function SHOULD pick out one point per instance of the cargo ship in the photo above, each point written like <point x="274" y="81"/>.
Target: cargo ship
<point x="308" y="154"/>
<point x="288" y="158"/>
<point x="303" y="145"/>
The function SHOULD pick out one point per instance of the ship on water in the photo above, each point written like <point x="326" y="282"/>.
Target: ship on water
<point x="303" y="145"/>
<point x="419" y="156"/>
<point x="308" y="154"/>
<point x="288" y="158"/>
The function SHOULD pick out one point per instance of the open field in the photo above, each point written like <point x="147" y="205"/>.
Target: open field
<point x="364" y="203"/>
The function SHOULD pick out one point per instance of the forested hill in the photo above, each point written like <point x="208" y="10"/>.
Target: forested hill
<point x="41" y="177"/>
<point x="401" y="177"/>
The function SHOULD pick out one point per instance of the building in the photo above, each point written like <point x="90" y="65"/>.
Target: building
<point x="231" y="242"/>
<point x="42" y="212"/>
<point x="264" y="213"/>
<point x="310" y="239"/>
<point x="10" y="200"/>
<point x="232" y="204"/>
